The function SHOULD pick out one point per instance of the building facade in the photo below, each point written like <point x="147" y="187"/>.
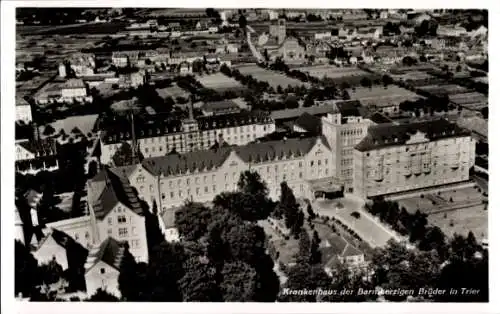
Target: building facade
<point x="392" y="159"/>
<point x="161" y="137"/>
<point x="344" y="129"/>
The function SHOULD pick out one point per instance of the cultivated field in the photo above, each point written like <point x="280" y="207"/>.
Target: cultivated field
<point x="461" y="221"/>
<point x="332" y="71"/>
<point x="391" y="91"/>
<point x="218" y="82"/>
<point x="455" y="211"/>
<point x="273" y="78"/>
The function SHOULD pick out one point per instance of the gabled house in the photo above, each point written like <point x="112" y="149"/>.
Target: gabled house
<point x="336" y="250"/>
<point x="103" y="267"/>
<point x="116" y="211"/>
<point x="60" y="246"/>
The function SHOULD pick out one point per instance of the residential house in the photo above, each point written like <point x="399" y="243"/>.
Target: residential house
<point x="60" y="247"/>
<point x="115" y="211"/>
<point x="23" y="111"/>
<point x="103" y="267"/>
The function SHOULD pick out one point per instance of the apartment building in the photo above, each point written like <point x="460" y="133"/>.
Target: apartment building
<point x="304" y="163"/>
<point x="396" y="158"/>
<point x="157" y="138"/>
<point x="344" y="129"/>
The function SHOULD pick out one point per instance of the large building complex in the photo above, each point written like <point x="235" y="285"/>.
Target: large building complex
<point x="158" y="138"/>
<point x="393" y="159"/>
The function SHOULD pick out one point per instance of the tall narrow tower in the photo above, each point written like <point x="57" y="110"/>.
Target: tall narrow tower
<point x="281" y="30"/>
<point x="135" y="154"/>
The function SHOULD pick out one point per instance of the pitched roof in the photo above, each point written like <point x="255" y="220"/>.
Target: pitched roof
<point x="111" y="189"/>
<point x="350" y="108"/>
<point x="233" y="120"/>
<point x="110" y="252"/>
<point x="60" y="237"/>
<point x="296" y="112"/>
<point x="43" y="147"/>
<point x="384" y="135"/>
<point x="74" y="83"/>
<point x="309" y="123"/>
<point x="205" y="160"/>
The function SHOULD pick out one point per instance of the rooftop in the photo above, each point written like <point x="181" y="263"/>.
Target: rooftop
<point x="110" y="252"/>
<point x="206" y="160"/>
<point x="385" y="135"/>
<point x="107" y="190"/>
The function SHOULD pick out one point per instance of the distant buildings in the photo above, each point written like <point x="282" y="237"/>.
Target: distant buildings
<point x="398" y="158"/>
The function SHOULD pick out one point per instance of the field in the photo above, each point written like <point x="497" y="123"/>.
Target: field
<point x="332" y="71"/>
<point x="378" y="92"/>
<point x="172" y="91"/>
<point x="458" y="210"/>
<point x="219" y="82"/>
<point x="273" y="78"/>
<point x="88" y="28"/>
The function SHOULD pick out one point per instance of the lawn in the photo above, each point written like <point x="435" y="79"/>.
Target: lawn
<point x="332" y="71"/>
<point x="461" y="221"/>
<point x="218" y="82"/>
<point x="287" y="248"/>
<point x="465" y="213"/>
<point x="273" y="78"/>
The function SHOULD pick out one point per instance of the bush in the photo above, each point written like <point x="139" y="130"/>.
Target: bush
<point x="421" y="195"/>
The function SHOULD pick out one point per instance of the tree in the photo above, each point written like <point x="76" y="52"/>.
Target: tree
<point x="248" y="206"/>
<point x="128" y="278"/>
<point x="294" y="217"/>
<point x="279" y="89"/>
<point x="386" y="79"/>
<point x="25" y="273"/>
<point x="305" y="276"/>
<point x="198" y="283"/>
<point x="310" y="211"/>
<point x="366" y="82"/>
<point x="304" y="253"/>
<point x="242" y="21"/>
<point x="192" y="220"/>
<point x="49" y="130"/>
<point x="315" y="255"/>
<point x="154" y="234"/>
<point x="50" y="273"/>
<point x="239" y="282"/>
<point x="123" y="156"/>
<point x="102" y="296"/>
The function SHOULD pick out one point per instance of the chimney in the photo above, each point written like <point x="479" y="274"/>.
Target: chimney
<point x="190" y="109"/>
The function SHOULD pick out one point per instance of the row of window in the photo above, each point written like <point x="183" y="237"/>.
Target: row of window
<point x="121" y="220"/>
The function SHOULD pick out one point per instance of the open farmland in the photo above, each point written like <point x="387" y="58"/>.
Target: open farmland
<point x="219" y="82"/>
<point x="273" y="78"/>
<point x="332" y="71"/>
<point x="455" y="211"/>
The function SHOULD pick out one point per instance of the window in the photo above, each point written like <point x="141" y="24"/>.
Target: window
<point x="122" y="219"/>
<point x="206" y="189"/>
<point x="110" y="231"/>
<point x="205" y="179"/>
<point x="213" y="188"/>
<point x="162" y="196"/>
<point x="197" y="180"/>
<point x="300" y="164"/>
<point x="188" y="181"/>
<point x="197" y="191"/>
<point x="76" y="236"/>
<point x="87" y="235"/>
<point x="312" y="163"/>
<point x="326" y="161"/>
<point x="150" y="188"/>
<point x="103" y="270"/>
<point x="300" y="175"/>
<point x="122" y="232"/>
<point x="134" y="231"/>
<point x="172" y="195"/>
<point x="319" y="162"/>
<point x="110" y="221"/>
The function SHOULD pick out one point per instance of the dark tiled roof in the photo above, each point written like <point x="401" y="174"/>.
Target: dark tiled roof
<point x="350" y="108"/>
<point x="176" y="164"/>
<point x="110" y="252"/>
<point x="379" y="118"/>
<point x="122" y="131"/>
<point x="297" y="112"/>
<point x="309" y="123"/>
<point x="43" y="147"/>
<point x="115" y="189"/>
<point x="219" y="105"/>
<point x="384" y="135"/>
<point x="233" y="120"/>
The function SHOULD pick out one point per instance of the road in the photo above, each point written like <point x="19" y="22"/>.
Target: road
<point x="254" y="50"/>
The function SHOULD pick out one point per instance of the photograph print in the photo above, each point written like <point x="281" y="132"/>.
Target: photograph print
<point x="251" y="155"/>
